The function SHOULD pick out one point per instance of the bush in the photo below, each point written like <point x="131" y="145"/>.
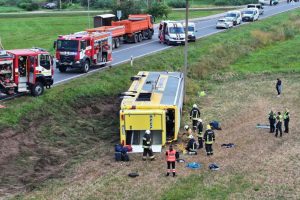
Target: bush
<point x="233" y="2"/>
<point x="127" y="8"/>
<point x="177" y="3"/>
<point x="28" y="5"/>
<point x="103" y="4"/>
<point x="159" y="9"/>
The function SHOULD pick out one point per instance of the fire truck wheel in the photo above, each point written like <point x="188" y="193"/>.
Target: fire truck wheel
<point x="114" y="43"/>
<point x="117" y="45"/>
<point x="62" y="68"/>
<point x="86" y="66"/>
<point x="37" y="89"/>
<point x="140" y="37"/>
<point x="135" y="38"/>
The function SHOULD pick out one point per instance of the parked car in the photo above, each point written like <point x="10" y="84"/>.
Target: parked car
<point x="50" y="5"/>
<point x="258" y="6"/>
<point x="250" y="14"/>
<point x="191" y="31"/>
<point x="268" y="2"/>
<point x="235" y="16"/>
<point x="224" y="23"/>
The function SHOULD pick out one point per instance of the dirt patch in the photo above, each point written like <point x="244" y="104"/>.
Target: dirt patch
<point x="27" y="159"/>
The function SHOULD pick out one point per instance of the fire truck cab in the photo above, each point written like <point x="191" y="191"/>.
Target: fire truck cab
<point x="83" y="49"/>
<point x="25" y="70"/>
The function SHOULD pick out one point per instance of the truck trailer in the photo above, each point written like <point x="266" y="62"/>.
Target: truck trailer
<point x="25" y="70"/>
<point x="134" y="29"/>
<point x="83" y="49"/>
<point x="153" y="102"/>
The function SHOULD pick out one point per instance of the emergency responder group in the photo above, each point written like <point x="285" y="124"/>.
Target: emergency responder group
<point x="276" y="120"/>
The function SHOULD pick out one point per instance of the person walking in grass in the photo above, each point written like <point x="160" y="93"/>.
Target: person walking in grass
<point x="286" y="120"/>
<point x="279" y="87"/>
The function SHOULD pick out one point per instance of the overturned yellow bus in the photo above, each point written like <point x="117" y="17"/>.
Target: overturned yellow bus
<point x="153" y="102"/>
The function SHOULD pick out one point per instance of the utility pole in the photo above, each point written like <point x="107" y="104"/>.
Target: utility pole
<point x="186" y="45"/>
<point x="88" y="4"/>
<point x="59" y="4"/>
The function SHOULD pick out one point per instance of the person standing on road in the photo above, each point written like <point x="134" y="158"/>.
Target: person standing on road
<point x="200" y="134"/>
<point x="147" y="146"/>
<point x="286" y="119"/>
<point x="195" y="115"/>
<point x="279" y="87"/>
<point x="171" y="158"/>
<point x="272" y="120"/>
<point x="209" y="138"/>
<point x="279" y="124"/>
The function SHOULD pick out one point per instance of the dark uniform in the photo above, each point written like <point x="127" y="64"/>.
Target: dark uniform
<point x="200" y="135"/>
<point x="147" y="143"/>
<point x="209" y="138"/>
<point x="195" y="115"/>
<point x="279" y="125"/>
<point x="286" y="119"/>
<point x="192" y="146"/>
<point x="272" y="120"/>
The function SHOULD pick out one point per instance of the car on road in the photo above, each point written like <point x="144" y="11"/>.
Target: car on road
<point x="268" y="2"/>
<point x="224" y="23"/>
<point x="235" y="16"/>
<point x="191" y="31"/>
<point x="50" y="5"/>
<point x="258" y="6"/>
<point x="250" y="14"/>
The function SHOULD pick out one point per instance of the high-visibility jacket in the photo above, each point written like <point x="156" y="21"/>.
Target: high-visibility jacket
<point x="209" y="136"/>
<point x="200" y="129"/>
<point x="195" y="114"/>
<point x="279" y="118"/>
<point x="272" y="115"/>
<point x="147" y="141"/>
<point x="171" y="155"/>
<point x="286" y="116"/>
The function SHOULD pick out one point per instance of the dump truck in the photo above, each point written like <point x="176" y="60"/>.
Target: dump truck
<point x="153" y="102"/>
<point x="134" y="29"/>
<point x="82" y="49"/>
<point x="25" y="70"/>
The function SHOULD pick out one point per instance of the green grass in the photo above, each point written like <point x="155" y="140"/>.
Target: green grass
<point x="6" y="9"/>
<point x="42" y="29"/>
<point x="195" y="187"/>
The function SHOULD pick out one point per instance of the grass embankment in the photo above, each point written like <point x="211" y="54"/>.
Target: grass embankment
<point x="72" y="123"/>
<point x="40" y="30"/>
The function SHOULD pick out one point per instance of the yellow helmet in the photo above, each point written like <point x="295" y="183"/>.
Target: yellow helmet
<point x="208" y="127"/>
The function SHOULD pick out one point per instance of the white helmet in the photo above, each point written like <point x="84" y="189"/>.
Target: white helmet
<point x="194" y="106"/>
<point x="199" y="120"/>
<point x="147" y="132"/>
<point x="186" y="127"/>
<point x="191" y="137"/>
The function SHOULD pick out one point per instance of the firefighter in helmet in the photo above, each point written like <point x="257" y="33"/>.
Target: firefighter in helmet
<point x="209" y="138"/>
<point x="195" y="115"/>
<point x="147" y="146"/>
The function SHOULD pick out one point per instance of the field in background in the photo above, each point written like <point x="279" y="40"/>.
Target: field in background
<point x="40" y="30"/>
<point x="69" y="154"/>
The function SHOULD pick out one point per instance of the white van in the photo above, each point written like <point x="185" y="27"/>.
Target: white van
<point x="171" y="32"/>
<point x="235" y="16"/>
<point x="258" y="6"/>
<point x="191" y="31"/>
<point x="250" y="14"/>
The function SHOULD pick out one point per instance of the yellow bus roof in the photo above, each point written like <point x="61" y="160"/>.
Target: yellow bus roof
<point x="153" y="89"/>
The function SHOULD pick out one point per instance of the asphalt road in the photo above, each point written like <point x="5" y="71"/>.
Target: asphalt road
<point x="205" y="27"/>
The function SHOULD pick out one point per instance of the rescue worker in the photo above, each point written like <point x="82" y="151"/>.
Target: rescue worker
<point x="279" y="124"/>
<point x="209" y="138"/>
<point x="191" y="146"/>
<point x="286" y="119"/>
<point x="147" y="146"/>
<point x="272" y="120"/>
<point x="279" y="87"/>
<point x="200" y="134"/>
<point x="171" y="158"/>
<point x="195" y="115"/>
<point x="187" y="131"/>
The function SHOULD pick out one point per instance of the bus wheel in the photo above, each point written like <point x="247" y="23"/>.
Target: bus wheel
<point x="37" y="89"/>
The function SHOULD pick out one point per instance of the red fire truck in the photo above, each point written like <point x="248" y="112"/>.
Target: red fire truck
<point x="25" y="70"/>
<point x="83" y="49"/>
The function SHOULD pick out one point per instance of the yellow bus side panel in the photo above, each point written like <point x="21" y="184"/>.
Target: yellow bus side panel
<point x="143" y="122"/>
